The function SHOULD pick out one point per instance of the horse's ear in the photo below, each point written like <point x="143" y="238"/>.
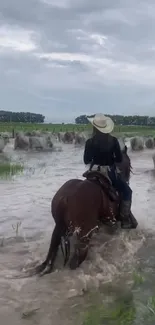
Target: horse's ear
<point x="125" y="149"/>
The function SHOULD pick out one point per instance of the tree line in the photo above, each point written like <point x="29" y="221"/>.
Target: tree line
<point x="21" y="117"/>
<point x="122" y="120"/>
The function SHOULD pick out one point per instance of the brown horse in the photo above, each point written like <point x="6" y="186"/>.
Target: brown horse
<point x="79" y="207"/>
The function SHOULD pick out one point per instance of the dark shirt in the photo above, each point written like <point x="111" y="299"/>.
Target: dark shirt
<point x="103" y="151"/>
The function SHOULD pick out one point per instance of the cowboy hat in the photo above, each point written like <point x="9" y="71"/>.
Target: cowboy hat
<point x="102" y="123"/>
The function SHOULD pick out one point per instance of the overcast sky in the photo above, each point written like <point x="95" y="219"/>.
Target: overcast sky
<point x="64" y="58"/>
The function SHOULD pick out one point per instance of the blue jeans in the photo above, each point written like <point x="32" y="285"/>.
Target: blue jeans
<point x="120" y="185"/>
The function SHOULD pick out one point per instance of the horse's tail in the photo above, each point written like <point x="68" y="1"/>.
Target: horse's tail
<point x="65" y="242"/>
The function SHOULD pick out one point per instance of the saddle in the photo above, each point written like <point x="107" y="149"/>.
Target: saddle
<point x="103" y="181"/>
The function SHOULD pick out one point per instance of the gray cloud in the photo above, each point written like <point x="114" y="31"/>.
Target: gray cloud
<point x="64" y="57"/>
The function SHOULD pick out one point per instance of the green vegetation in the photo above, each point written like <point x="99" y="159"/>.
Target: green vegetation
<point x="28" y="127"/>
<point x="27" y="122"/>
<point x="32" y="118"/>
<point x="138" y="279"/>
<point x="133" y="307"/>
<point x="55" y="128"/>
<point x="121" y="312"/>
<point x="8" y="170"/>
<point x="122" y="120"/>
<point x="21" y="117"/>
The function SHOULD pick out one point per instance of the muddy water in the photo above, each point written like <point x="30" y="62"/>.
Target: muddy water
<point x="25" y="229"/>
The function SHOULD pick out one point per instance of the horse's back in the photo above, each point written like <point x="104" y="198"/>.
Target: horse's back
<point x="75" y="189"/>
<point x="67" y="188"/>
<point x="77" y="202"/>
<point x="64" y="191"/>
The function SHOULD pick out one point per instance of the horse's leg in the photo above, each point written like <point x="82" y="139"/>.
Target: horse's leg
<point x="80" y="254"/>
<point x="83" y="240"/>
<point x="81" y="247"/>
<point x="47" y="265"/>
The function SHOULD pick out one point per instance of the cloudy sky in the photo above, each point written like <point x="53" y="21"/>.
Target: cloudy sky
<point x="64" y="58"/>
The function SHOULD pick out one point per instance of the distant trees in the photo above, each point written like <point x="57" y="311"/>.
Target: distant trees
<point x="82" y="119"/>
<point x="23" y="117"/>
<point x="122" y="120"/>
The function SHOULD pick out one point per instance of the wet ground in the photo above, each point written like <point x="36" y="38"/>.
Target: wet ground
<point x="115" y="262"/>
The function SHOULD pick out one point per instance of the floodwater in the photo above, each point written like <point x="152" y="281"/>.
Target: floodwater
<point x="25" y="229"/>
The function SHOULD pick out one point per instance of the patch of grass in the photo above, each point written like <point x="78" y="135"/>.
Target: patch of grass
<point x="28" y="127"/>
<point x="151" y="305"/>
<point x="121" y="312"/>
<point x="134" y="306"/>
<point x="119" y="129"/>
<point x="138" y="278"/>
<point x="148" y="314"/>
<point x="8" y="170"/>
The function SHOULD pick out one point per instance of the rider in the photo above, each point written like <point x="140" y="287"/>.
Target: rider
<point x="103" y="151"/>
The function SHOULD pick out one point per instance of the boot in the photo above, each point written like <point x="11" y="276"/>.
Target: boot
<point x="125" y="215"/>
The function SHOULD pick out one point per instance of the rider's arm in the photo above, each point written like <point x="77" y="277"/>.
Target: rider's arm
<point x="117" y="151"/>
<point x="87" y="157"/>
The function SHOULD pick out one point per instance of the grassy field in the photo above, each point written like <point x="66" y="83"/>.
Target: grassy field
<point x="126" y="130"/>
<point x="8" y="127"/>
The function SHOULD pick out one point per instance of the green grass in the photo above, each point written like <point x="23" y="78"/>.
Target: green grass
<point x="122" y="311"/>
<point x="9" y="170"/>
<point x="138" y="279"/>
<point x="118" y="313"/>
<point x="126" y="130"/>
<point x="8" y="127"/>
<point x="133" y="307"/>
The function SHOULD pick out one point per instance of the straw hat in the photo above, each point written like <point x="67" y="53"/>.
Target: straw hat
<point x="102" y="123"/>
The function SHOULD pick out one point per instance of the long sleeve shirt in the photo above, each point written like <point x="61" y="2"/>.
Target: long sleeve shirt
<point x="102" y="154"/>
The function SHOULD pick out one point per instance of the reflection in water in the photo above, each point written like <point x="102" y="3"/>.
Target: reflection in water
<point x="65" y="294"/>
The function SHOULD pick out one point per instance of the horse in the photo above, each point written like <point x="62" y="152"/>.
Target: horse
<point x="79" y="208"/>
